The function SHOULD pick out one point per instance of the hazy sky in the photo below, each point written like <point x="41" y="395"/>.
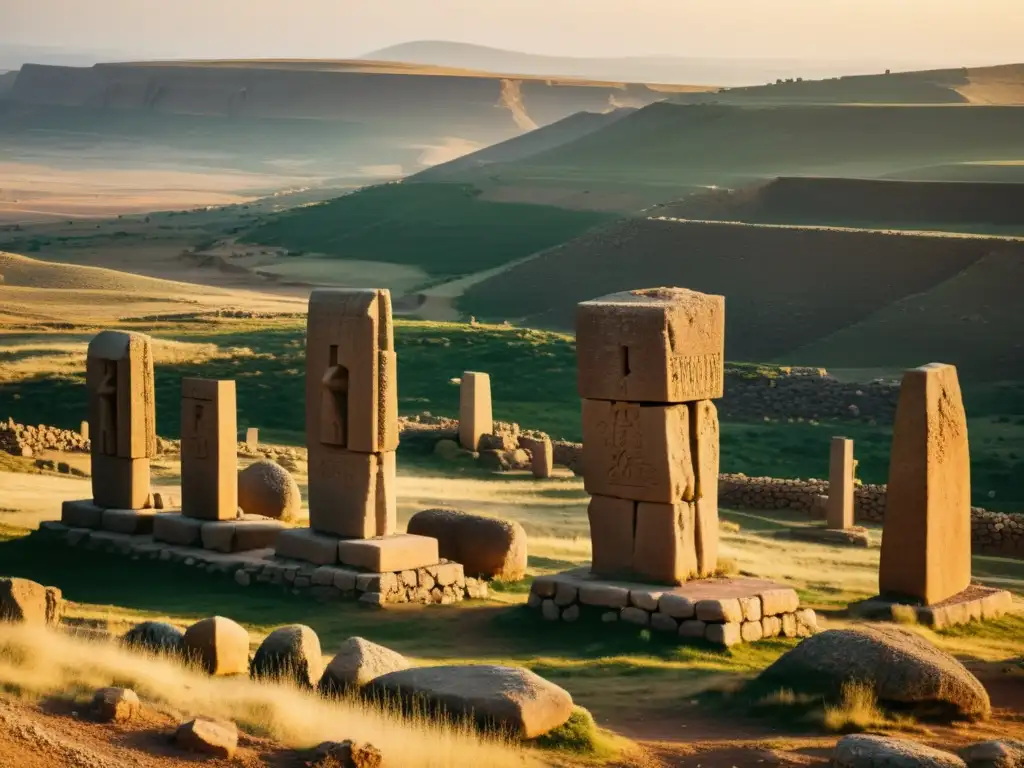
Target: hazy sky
<point x="952" y="32"/>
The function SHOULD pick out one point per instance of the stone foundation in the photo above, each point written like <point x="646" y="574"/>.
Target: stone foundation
<point x="723" y="612"/>
<point x="976" y="603"/>
<point x="443" y="583"/>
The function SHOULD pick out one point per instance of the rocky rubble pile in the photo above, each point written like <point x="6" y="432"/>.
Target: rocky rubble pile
<point x="27" y="440"/>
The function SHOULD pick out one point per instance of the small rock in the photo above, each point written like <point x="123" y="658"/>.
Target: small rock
<point x="882" y="752"/>
<point x="291" y="652"/>
<point x="110" y="705"/>
<point x="347" y="754"/>
<point x="994" y="754"/>
<point x="357" y="663"/>
<point x="209" y="737"/>
<point x="218" y="645"/>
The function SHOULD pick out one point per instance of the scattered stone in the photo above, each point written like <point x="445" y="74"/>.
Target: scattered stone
<point x="268" y="489"/>
<point x="510" y="698"/>
<point x="291" y="652"/>
<point x="883" y="752"/>
<point x="155" y="637"/>
<point x="904" y="668"/>
<point x="357" y="663"/>
<point x="485" y="546"/>
<point x="219" y="645"/>
<point x="994" y="754"/>
<point x="209" y="737"/>
<point x="114" y="705"/>
<point x="347" y="754"/>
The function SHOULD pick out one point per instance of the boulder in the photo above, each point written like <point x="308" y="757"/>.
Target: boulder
<point x="115" y="705"/>
<point x="884" y="752"/>
<point x="209" y="737"/>
<point x="904" y="668"/>
<point x="994" y="754"/>
<point x="26" y="602"/>
<point x="154" y="636"/>
<point x="485" y="546"/>
<point x="357" y="663"/>
<point x="511" y="699"/>
<point x="267" y="489"/>
<point x="347" y="754"/>
<point x="291" y="652"/>
<point x="218" y="645"/>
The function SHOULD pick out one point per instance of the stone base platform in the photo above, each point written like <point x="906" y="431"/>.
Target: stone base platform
<point x="976" y="603"/>
<point x="399" y="552"/>
<point x="247" y="533"/>
<point x="724" y="612"/>
<point x="441" y="582"/>
<point x="839" y="537"/>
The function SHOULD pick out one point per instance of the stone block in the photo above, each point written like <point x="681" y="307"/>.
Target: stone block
<point x="751" y="631"/>
<point x="788" y="624"/>
<point x="726" y="635"/>
<point x="119" y="387"/>
<point x="544" y="586"/>
<point x="996" y="604"/>
<point x="343" y="500"/>
<point x="637" y="452"/>
<point x="751" y="607"/>
<point x="662" y="345"/>
<point x="565" y="594"/>
<point x="571" y="614"/>
<point x="209" y="449"/>
<point x="475" y="415"/>
<point x="926" y="543"/>
<point x="636" y="616"/>
<point x="839" y="508"/>
<point x="663" y="623"/>
<point x="603" y="595"/>
<point x="677" y="606"/>
<point x="775" y="602"/>
<point x="806" y="622"/>
<point x="612" y="522"/>
<point x="241" y="535"/>
<point x="351" y="384"/>
<point x="706" y="433"/>
<point x="252" y="438"/>
<point x="81" y="514"/>
<point x="663" y="548"/>
<point x="645" y="599"/>
<point x="135" y="522"/>
<point x="173" y="528"/>
<point x="385" y="503"/>
<point x="390" y="553"/>
<point x="771" y="626"/>
<point x="119" y="483"/>
<point x="726" y="610"/>
<point x="692" y="629"/>
<point x="308" y="545"/>
<point x="550" y="611"/>
<point x="541" y="455"/>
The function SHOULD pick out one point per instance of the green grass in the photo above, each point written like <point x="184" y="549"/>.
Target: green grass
<point x="444" y="229"/>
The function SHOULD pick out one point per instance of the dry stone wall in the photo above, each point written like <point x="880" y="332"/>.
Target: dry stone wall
<point x="28" y="440"/>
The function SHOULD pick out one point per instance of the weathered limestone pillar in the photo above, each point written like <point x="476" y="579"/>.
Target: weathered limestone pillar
<point x="650" y="361"/>
<point x="926" y="540"/>
<point x="252" y="438"/>
<point x="122" y="418"/>
<point x="542" y="455"/>
<point x="351" y="412"/>
<point x="209" y="449"/>
<point x="839" y="509"/>
<point x="83" y="430"/>
<point x="475" y="415"/>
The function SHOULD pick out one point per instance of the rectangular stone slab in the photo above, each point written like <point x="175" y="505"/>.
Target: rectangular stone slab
<point x="173" y="528"/>
<point x="81" y="514"/>
<point x="658" y="345"/>
<point x="541" y="455"/>
<point x="119" y="387"/>
<point x="343" y="500"/>
<point x="401" y="552"/>
<point x="637" y="452"/>
<point x="209" y="449"/>
<point x="307" y="545"/>
<point x="240" y="535"/>
<point x="136" y="522"/>
<point x="926" y="539"/>
<point x="839" y="508"/>
<point x="475" y="414"/>
<point x="705" y="435"/>
<point x="663" y="548"/>
<point x="119" y="483"/>
<point x="612" y="522"/>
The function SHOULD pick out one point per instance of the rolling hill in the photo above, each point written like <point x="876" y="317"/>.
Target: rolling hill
<point x="788" y="288"/>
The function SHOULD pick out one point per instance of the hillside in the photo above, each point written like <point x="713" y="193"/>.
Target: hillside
<point x="444" y="229"/>
<point x="729" y="145"/>
<point x="960" y="206"/>
<point x="787" y="287"/>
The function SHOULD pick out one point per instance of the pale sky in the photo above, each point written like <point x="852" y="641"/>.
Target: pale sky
<point x="947" y="32"/>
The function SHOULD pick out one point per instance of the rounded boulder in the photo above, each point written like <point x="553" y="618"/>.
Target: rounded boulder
<point x="289" y="653"/>
<point x="903" y="668"/>
<point x="267" y="489"/>
<point x="218" y="645"/>
<point x="357" y="663"/>
<point x="155" y="637"/>
<point x="485" y="546"/>
<point x="26" y="602"/>
<point x="884" y="752"/>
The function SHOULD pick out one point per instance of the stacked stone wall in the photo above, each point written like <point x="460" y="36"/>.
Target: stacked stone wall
<point x="28" y="440"/>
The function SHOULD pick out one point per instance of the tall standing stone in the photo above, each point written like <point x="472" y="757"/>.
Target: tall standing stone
<point x="650" y="361"/>
<point x="83" y="430"/>
<point x="351" y="412"/>
<point x="122" y="417"/>
<point x="926" y="542"/>
<point x="209" y="449"/>
<point x="252" y="438"/>
<point x="475" y="415"/>
<point x="839" y="509"/>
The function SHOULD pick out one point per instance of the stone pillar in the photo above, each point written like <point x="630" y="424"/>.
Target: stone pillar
<point x="475" y="416"/>
<point x="541" y="455"/>
<point x="926" y="540"/>
<point x="252" y="438"/>
<point x="351" y="412"/>
<point x="209" y="450"/>
<point x="83" y="430"/>
<point x="650" y="362"/>
<point x="122" y="418"/>
<point x="839" y="509"/>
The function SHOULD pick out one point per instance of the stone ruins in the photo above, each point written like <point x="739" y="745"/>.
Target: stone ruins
<point x="475" y="416"/>
<point x="650" y="362"/>
<point x="209" y="452"/>
<point x="926" y="540"/>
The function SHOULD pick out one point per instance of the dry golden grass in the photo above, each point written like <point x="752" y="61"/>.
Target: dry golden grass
<point x="22" y="271"/>
<point x="36" y="663"/>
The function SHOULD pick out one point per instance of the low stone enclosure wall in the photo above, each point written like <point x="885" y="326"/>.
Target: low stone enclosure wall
<point x="992" y="533"/>
<point x="443" y="584"/>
